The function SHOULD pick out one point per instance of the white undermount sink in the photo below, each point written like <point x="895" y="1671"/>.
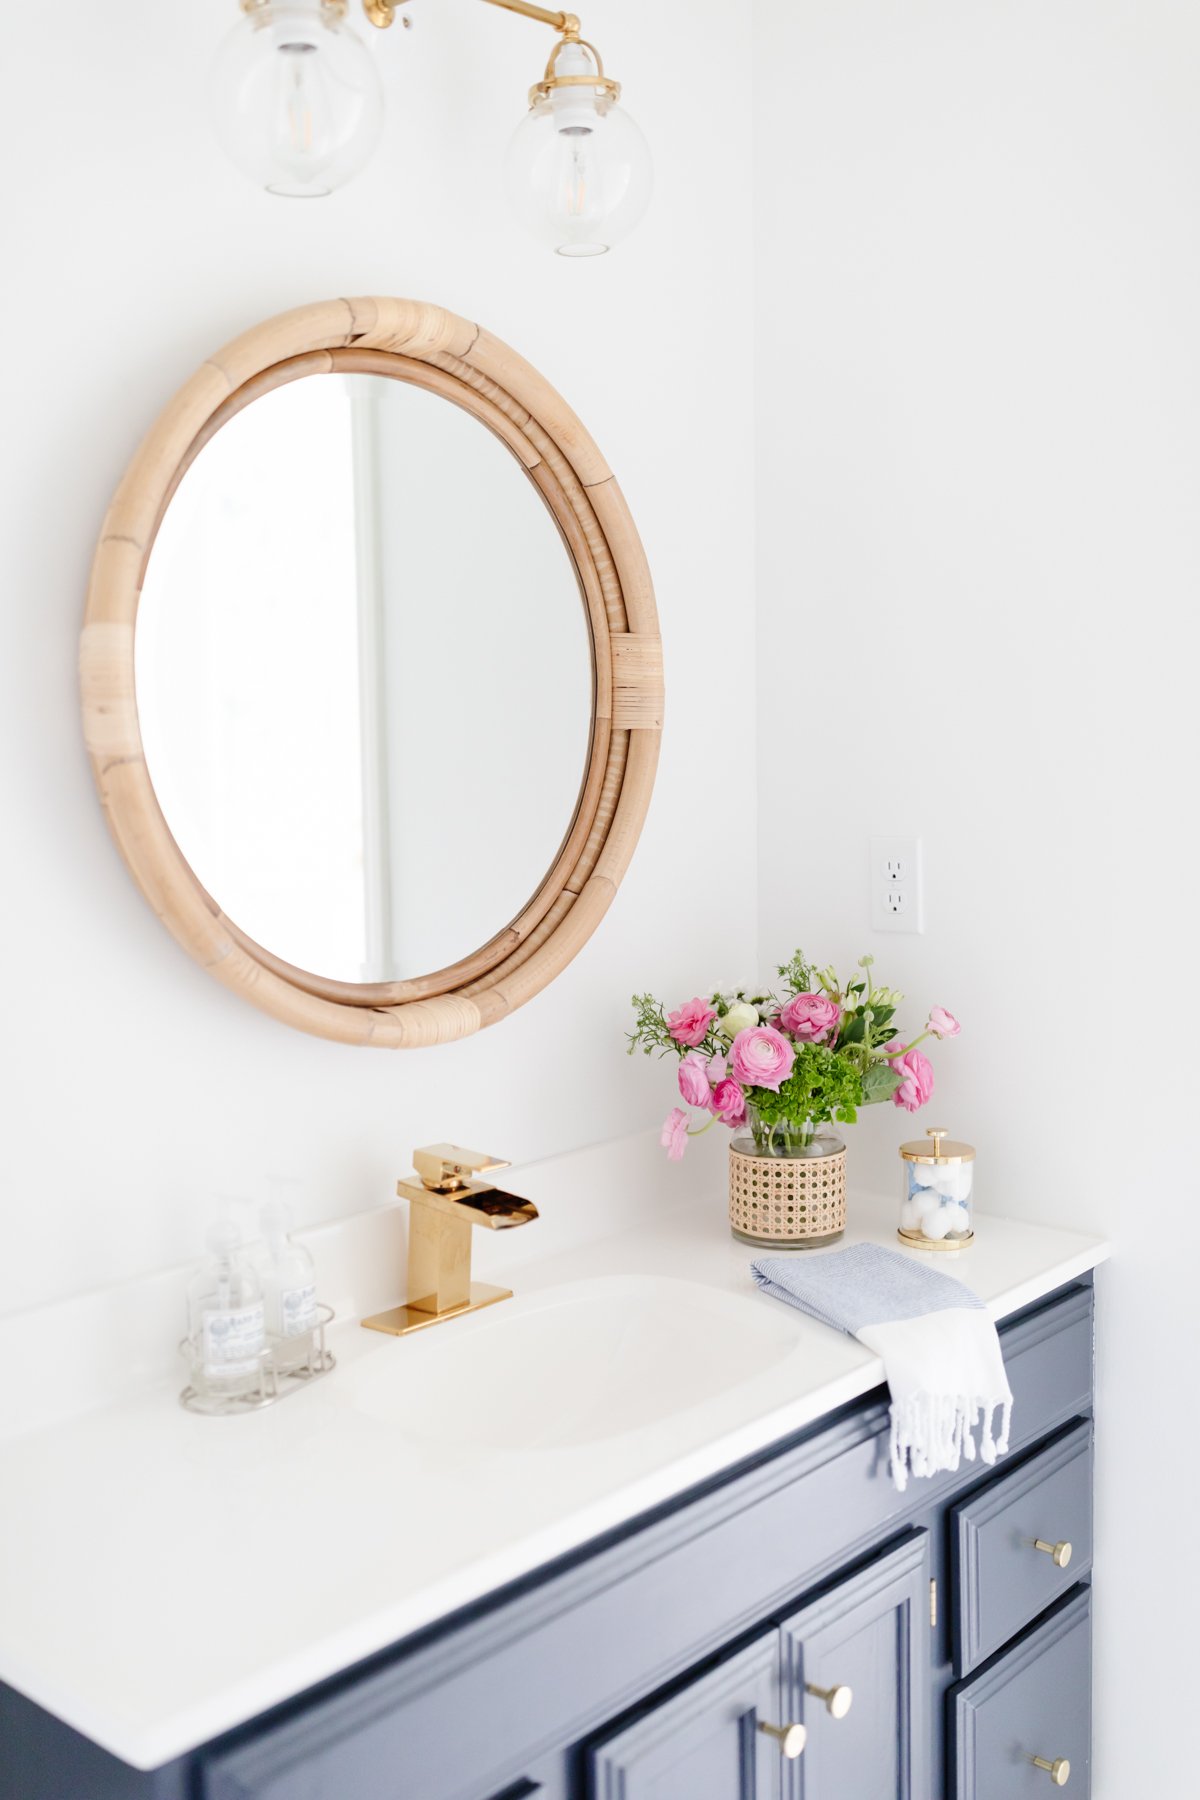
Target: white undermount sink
<point x="572" y="1366"/>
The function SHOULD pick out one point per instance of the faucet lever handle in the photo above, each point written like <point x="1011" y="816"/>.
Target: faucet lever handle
<point x="447" y="1168"/>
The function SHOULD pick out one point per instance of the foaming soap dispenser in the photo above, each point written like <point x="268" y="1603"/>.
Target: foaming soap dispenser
<point x="289" y="1290"/>
<point x="226" y="1319"/>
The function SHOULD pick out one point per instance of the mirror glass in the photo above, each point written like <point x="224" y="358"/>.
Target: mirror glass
<point x="364" y="677"/>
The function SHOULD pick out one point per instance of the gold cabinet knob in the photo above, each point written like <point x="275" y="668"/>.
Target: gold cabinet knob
<point x="1061" y="1552"/>
<point x="1059" y="1770"/>
<point x="838" y="1700"/>
<point x="790" y="1738"/>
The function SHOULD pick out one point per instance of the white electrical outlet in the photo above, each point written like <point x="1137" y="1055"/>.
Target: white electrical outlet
<point x="895" y="877"/>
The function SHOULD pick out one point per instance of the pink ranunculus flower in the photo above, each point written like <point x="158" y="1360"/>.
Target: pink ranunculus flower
<point x="675" y="1134"/>
<point x="729" y="1102"/>
<point x="916" y="1077"/>
<point x="943" y="1024"/>
<point x="689" y="1024"/>
<point x="760" y="1056"/>
<point x="809" y="1017"/>
<point x="694" y="1084"/>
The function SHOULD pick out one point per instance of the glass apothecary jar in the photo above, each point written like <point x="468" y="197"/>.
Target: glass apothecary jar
<point x="935" y="1200"/>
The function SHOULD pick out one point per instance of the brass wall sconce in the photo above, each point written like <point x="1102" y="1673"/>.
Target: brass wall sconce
<point x="299" y="108"/>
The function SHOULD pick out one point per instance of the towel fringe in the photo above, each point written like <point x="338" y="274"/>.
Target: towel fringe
<point x="935" y="1432"/>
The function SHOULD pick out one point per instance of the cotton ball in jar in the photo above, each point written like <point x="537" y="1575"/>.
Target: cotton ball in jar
<point x="935" y="1224"/>
<point x="963" y="1178"/>
<point x="910" y="1216"/>
<point x="927" y="1201"/>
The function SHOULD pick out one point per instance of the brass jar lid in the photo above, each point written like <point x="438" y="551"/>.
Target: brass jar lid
<point x="941" y="1151"/>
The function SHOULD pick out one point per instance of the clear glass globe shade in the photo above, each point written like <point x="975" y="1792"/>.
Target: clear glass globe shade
<point x="578" y="173"/>
<point x="296" y="98"/>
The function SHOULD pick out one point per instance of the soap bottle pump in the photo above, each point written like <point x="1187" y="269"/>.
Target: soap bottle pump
<point x="226" y="1320"/>
<point x="290" y="1290"/>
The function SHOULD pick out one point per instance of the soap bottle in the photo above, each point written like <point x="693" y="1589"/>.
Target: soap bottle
<point x="226" y="1320"/>
<point x="289" y="1289"/>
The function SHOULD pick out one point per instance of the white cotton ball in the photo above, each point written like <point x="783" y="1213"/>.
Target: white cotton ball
<point x="910" y="1216"/>
<point x="927" y="1201"/>
<point x="935" y="1224"/>
<point x="958" y="1219"/>
<point x="922" y="1174"/>
<point x="963" y="1177"/>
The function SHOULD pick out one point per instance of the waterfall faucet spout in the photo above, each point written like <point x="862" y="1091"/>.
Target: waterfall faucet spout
<point x="446" y="1202"/>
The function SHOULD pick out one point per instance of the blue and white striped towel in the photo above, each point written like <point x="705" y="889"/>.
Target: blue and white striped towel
<point x="940" y="1351"/>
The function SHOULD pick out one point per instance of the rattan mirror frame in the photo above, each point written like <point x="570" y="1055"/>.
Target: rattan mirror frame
<point x="465" y="364"/>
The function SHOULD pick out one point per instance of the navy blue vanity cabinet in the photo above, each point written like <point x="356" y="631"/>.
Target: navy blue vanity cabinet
<point x="704" y="1741"/>
<point x="1019" y="1542"/>
<point x="834" y="1701"/>
<point x="927" y="1645"/>
<point x="856" y="1670"/>
<point x="1023" y="1724"/>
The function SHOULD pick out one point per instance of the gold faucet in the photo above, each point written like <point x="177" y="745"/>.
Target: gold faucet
<point x="446" y="1203"/>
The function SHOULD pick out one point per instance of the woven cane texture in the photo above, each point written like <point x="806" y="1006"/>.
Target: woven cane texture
<point x="786" y="1199"/>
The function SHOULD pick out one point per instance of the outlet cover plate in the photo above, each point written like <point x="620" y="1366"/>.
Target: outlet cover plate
<point x="896" y="888"/>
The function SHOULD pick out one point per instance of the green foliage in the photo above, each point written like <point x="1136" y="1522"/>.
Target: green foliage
<point x="650" y="1031"/>
<point x="797" y="975"/>
<point x="823" y="1085"/>
<point x="879" y="1082"/>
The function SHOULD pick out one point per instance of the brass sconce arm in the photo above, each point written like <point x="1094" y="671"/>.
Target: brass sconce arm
<point x="383" y="14"/>
<point x="566" y="24"/>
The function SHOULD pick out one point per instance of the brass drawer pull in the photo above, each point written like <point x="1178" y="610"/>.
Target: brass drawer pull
<point x="838" y="1700"/>
<point x="1059" y="1770"/>
<point x="1061" y="1553"/>
<point x="790" y="1738"/>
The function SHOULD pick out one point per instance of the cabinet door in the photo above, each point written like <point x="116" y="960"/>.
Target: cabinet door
<point x="856" y="1672"/>
<point x="701" y="1742"/>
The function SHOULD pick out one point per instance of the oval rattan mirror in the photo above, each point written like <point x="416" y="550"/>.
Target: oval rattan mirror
<point x="371" y="673"/>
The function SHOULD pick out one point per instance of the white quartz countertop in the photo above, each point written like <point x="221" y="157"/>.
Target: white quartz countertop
<point x="164" y="1577"/>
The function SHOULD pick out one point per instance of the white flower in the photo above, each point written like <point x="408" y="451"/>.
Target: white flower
<point x="740" y="1016"/>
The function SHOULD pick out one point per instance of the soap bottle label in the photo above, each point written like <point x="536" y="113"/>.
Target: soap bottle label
<point x="233" y="1340"/>
<point x="297" y="1310"/>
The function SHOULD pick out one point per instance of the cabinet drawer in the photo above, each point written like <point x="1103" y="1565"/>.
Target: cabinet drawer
<point x="1002" y="1579"/>
<point x="1034" y="1701"/>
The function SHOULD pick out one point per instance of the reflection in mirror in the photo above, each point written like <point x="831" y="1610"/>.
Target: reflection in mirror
<point x="341" y="648"/>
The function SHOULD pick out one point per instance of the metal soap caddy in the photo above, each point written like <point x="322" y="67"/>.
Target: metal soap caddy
<point x="276" y="1381"/>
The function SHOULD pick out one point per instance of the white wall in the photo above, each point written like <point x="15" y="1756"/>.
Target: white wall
<point x="978" y="267"/>
<point x="978" y="281"/>
<point x="134" y="1086"/>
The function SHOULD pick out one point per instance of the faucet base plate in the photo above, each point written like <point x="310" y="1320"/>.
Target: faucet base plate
<point x="398" y="1321"/>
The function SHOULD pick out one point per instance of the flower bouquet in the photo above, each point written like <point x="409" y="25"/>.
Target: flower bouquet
<point x="778" y="1068"/>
